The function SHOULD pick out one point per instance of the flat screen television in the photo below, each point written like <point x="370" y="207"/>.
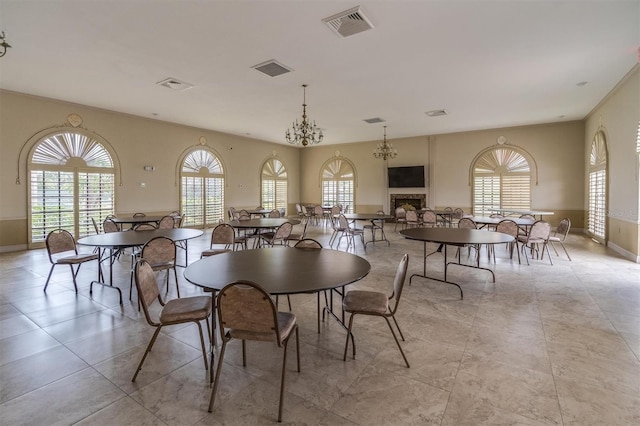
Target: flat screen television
<point x="406" y="177"/>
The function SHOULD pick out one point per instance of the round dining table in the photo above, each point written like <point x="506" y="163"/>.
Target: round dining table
<point x="282" y="271"/>
<point x="456" y="237"/>
<point x="119" y="240"/>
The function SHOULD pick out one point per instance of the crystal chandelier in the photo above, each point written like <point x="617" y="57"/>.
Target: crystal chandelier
<point x="385" y="149"/>
<point x="304" y="133"/>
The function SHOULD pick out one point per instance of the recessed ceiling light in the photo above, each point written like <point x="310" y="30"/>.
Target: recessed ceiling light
<point x="582" y="83"/>
<point x="436" y="113"/>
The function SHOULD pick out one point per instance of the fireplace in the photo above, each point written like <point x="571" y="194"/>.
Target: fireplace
<point x="419" y="201"/>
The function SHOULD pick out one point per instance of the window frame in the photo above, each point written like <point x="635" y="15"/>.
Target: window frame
<point x="274" y="179"/>
<point x="206" y="172"/>
<point x="338" y="182"/>
<point x="598" y="180"/>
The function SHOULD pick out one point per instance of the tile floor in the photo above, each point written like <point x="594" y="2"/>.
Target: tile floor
<point x="542" y="345"/>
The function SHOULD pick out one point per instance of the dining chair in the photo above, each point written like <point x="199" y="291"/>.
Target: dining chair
<point x="160" y="253"/>
<point x="338" y="229"/>
<point x="247" y="312"/>
<point x="509" y="227"/>
<point x="275" y="213"/>
<point x="349" y="232"/>
<point x="311" y="244"/>
<point x="458" y="214"/>
<point x="560" y="234"/>
<point x="62" y="250"/>
<point x="401" y="217"/>
<point x="298" y="237"/>
<point x="139" y="215"/>
<point x="412" y="219"/>
<point x="109" y="226"/>
<point x="318" y="214"/>
<point x="538" y="234"/>
<point x="429" y="219"/>
<point x="468" y="223"/>
<point x="446" y="219"/>
<point x="177" y="218"/>
<point x="222" y="235"/>
<point x="374" y="303"/>
<point x="280" y="235"/>
<point x="176" y="311"/>
<point x="376" y="225"/>
<point x="167" y="222"/>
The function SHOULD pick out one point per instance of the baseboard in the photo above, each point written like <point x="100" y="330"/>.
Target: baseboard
<point x="17" y="247"/>
<point x="624" y="253"/>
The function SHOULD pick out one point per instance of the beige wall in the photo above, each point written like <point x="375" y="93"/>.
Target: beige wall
<point x="618" y="116"/>
<point x="137" y="142"/>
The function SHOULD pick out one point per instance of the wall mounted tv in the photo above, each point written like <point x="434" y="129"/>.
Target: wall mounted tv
<point x="406" y="177"/>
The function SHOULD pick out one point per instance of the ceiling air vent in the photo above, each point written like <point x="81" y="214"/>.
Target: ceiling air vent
<point x="374" y="120"/>
<point x="436" y="113"/>
<point x="175" y="84"/>
<point x="349" y="22"/>
<point x="272" y="68"/>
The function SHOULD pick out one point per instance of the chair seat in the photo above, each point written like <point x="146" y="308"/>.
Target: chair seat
<point x="525" y="239"/>
<point x="286" y="323"/>
<point x="77" y="258"/>
<point x="163" y="265"/>
<point x="212" y="252"/>
<point x="555" y="239"/>
<point x="361" y="301"/>
<point x="185" y="309"/>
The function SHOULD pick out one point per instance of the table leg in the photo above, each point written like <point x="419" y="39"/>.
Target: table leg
<point x="424" y="269"/>
<point x="110" y="285"/>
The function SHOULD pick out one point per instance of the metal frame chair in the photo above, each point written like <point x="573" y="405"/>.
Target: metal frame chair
<point x="222" y="234"/>
<point x="246" y="312"/>
<point x="61" y="241"/>
<point x="560" y="234"/>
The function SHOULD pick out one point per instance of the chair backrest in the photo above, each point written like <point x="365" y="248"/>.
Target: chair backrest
<point x="247" y="310"/>
<point x="259" y="208"/>
<point x="109" y="226"/>
<point x="299" y="209"/>
<point x="458" y="213"/>
<point x="308" y="243"/>
<point x="448" y="210"/>
<point x="275" y="213"/>
<point x="95" y="226"/>
<point x="243" y="212"/>
<point x="139" y="215"/>
<point x="527" y="216"/>
<point x="398" y="282"/>
<point x="159" y="251"/>
<point x="335" y="210"/>
<point x="283" y="231"/>
<point x="540" y="231"/>
<point x="467" y="223"/>
<point x="167" y="222"/>
<point x="496" y="215"/>
<point x="223" y="234"/>
<point x="563" y="228"/>
<point x="429" y="216"/>
<point x="233" y="215"/>
<point x="317" y="210"/>
<point x="509" y="227"/>
<point x="147" y="287"/>
<point x="144" y="227"/>
<point x="242" y="216"/>
<point x="401" y="213"/>
<point x="343" y="223"/>
<point x="411" y="216"/>
<point x="60" y="241"/>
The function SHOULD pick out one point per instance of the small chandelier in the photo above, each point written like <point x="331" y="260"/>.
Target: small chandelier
<point x="4" y="45"/>
<point x="304" y="133"/>
<point x="385" y="149"/>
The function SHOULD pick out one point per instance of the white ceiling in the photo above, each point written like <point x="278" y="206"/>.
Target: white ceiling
<point x="488" y="63"/>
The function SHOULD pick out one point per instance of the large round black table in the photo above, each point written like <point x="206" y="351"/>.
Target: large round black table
<point x="281" y="270"/>
<point x="457" y="237"/>
<point x="119" y="240"/>
<point x="261" y="223"/>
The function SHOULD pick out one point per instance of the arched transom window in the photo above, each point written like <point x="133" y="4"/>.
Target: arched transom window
<point x="274" y="185"/>
<point x="597" y="220"/>
<point x="338" y="182"/>
<point x="201" y="189"/>
<point x="501" y="180"/>
<point x="71" y="181"/>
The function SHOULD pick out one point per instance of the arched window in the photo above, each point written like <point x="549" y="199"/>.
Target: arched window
<point x="597" y="220"/>
<point x="274" y="185"/>
<point x="501" y="180"/>
<point x="201" y="189"/>
<point x="338" y="182"/>
<point x="71" y="181"/>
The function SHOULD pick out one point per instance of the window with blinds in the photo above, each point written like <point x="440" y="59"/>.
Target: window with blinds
<point x="501" y="180"/>
<point x="71" y="181"/>
<point x="274" y="185"/>
<point x="597" y="217"/>
<point x="338" y="184"/>
<point x="201" y="189"/>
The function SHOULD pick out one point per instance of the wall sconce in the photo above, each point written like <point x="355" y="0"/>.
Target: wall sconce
<point x="149" y="168"/>
<point x="4" y="45"/>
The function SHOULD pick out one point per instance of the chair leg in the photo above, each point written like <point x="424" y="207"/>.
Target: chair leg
<point x="144" y="356"/>
<point x="398" y="327"/>
<point x="49" y="277"/>
<point x="545" y="246"/>
<point x="284" y="369"/>
<point x="217" y="379"/>
<point x="73" y="275"/>
<point x="565" y="251"/>
<point x="204" y="350"/>
<point x="175" y="276"/>
<point x="396" y="339"/>
<point x="346" y="345"/>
